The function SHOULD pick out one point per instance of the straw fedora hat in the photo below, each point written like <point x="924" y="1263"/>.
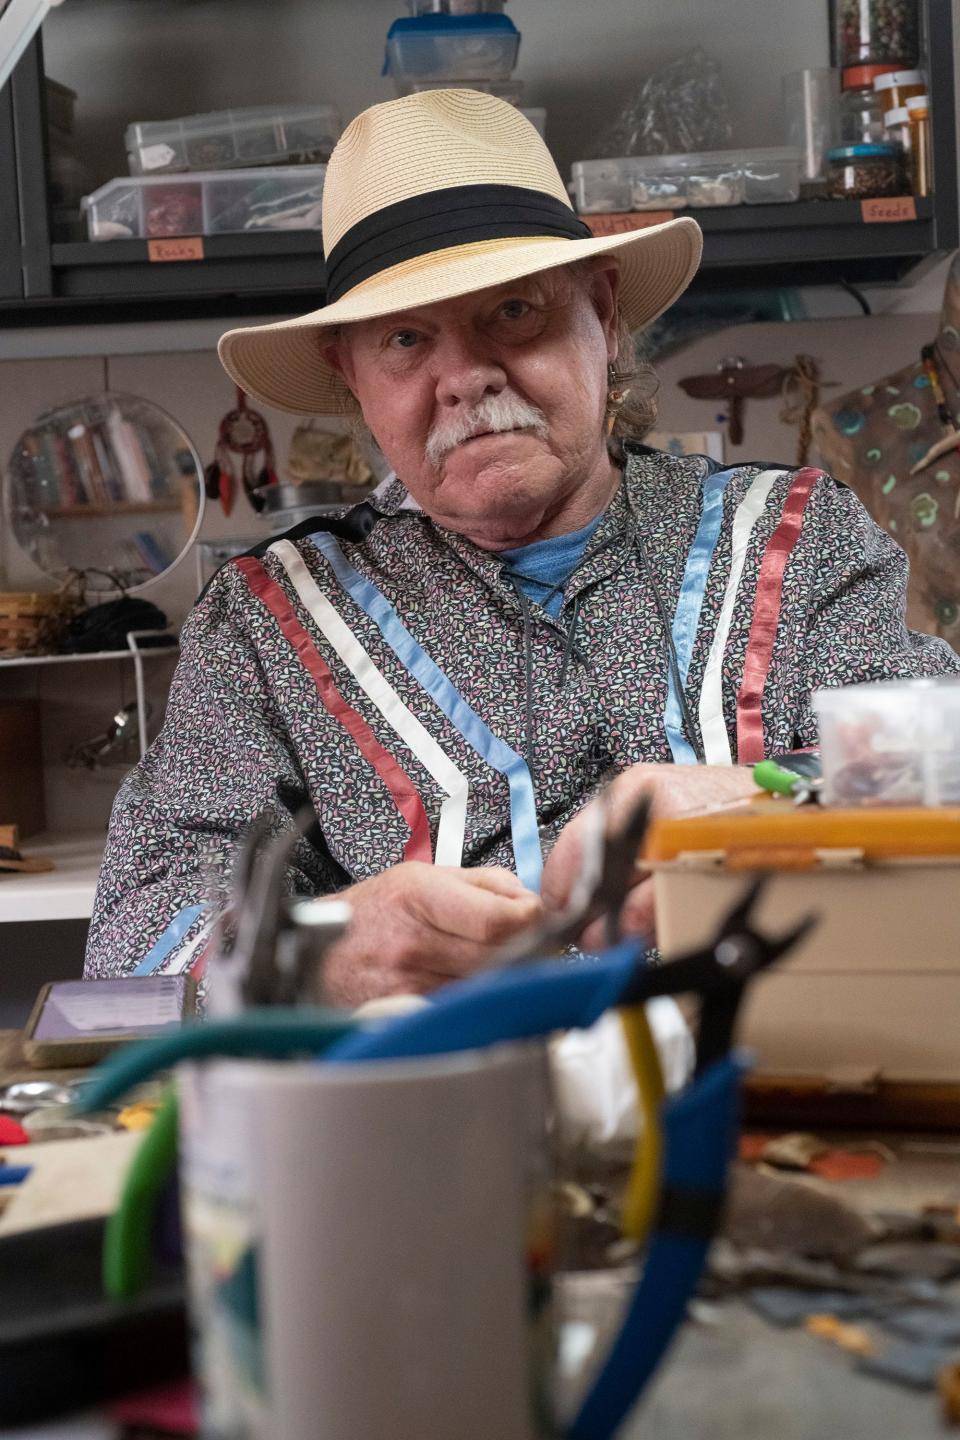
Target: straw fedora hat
<point x="433" y="196"/>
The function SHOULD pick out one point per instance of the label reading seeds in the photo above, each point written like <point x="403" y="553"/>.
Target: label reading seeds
<point x="879" y="210"/>
<point x="181" y="247"/>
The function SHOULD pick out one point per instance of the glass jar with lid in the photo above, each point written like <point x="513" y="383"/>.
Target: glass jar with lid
<point x="896" y="87"/>
<point x="861" y="107"/>
<point x="877" y="32"/>
<point x="862" y="172"/>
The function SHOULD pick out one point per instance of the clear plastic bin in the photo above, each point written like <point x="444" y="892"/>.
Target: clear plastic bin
<point x="456" y="7"/>
<point x="153" y="207"/>
<point x="452" y="47"/>
<point x="896" y="742"/>
<point x="671" y="182"/>
<point x="229" y="139"/>
<point x="633" y="183"/>
<point x="771" y="177"/>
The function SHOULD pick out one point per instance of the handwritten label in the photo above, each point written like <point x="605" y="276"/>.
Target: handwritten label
<point x="180" y="247"/>
<point x="881" y="211"/>
<point x="619" y="224"/>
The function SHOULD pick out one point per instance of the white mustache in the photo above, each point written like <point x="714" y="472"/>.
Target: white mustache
<point x="492" y="414"/>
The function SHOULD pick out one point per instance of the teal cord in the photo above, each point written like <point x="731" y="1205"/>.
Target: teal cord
<point x="270" y="1034"/>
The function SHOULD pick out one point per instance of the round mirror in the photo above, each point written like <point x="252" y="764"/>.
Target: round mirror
<point x="110" y="486"/>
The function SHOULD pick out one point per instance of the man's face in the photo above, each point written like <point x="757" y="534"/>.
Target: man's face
<point x="490" y="407"/>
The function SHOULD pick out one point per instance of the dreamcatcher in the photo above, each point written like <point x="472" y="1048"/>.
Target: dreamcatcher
<point x="243" y="432"/>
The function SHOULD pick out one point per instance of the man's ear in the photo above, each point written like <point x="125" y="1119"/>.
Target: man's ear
<point x="605" y="293"/>
<point x="336" y="353"/>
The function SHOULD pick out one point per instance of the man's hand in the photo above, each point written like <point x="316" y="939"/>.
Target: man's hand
<point x="416" y="926"/>
<point x="674" y="790"/>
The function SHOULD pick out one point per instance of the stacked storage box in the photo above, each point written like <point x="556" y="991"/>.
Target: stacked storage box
<point x="252" y="169"/>
<point x="672" y="182"/>
<point x="457" y="44"/>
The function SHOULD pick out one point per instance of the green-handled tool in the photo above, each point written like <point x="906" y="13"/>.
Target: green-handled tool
<point x="776" y="779"/>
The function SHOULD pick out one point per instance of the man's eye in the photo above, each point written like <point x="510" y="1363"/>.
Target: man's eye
<point x="514" y="309"/>
<point x="403" y="339"/>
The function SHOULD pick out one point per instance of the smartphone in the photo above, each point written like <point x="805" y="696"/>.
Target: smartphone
<point x="78" y="1022"/>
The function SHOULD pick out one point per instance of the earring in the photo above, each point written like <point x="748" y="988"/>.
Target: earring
<point x="615" y="397"/>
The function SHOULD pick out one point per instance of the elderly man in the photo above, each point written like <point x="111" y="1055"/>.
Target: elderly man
<point x="446" y="672"/>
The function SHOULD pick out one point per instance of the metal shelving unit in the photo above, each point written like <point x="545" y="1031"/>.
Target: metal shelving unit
<point x="64" y="893"/>
<point x="135" y="651"/>
<point x="10" y="278"/>
<point x="67" y="891"/>
<point x="809" y="242"/>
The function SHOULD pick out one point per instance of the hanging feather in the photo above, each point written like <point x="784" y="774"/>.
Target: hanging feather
<point x="243" y="433"/>
<point x="211" y="481"/>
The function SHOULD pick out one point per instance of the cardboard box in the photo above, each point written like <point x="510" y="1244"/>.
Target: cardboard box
<point x="873" y="992"/>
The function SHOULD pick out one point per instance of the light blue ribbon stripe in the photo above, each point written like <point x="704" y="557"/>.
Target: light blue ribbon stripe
<point x="498" y="755"/>
<point x="172" y="936"/>
<point x="686" y="620"/>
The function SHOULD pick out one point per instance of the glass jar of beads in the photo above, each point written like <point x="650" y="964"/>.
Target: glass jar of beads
<point x="877" y="32"/>
<point x="862" y="172"/>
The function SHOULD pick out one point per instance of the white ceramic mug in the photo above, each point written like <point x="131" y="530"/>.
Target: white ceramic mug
<point x="369" y="1246"/>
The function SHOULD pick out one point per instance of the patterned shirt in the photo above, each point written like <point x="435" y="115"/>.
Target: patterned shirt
<point x="385" y="671"/>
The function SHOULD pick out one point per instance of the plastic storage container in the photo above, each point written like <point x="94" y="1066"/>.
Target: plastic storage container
<point x="874" y="989"/>
<point x="228" y="139"/>
<point x="671" y="182"/>
<point x="452" y="47"/>
<point x="877" y="32"/>
<point x="811" y="106"/>
<point x="861" y="106"/>
<point x="152" y="207"/>
<point x="896" y="742"/>
<point x="771" y="177"/>
<point x="863" y="172"/>
<point x="455" y="7"/>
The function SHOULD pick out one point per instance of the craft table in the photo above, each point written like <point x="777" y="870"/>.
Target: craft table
<point x="733" y="1376"/>
<point x="14" y="1067"/>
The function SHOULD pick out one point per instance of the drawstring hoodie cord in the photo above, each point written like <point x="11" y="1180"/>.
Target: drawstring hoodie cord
<point x="568" y="647"/>
<point x="530" y="744"/>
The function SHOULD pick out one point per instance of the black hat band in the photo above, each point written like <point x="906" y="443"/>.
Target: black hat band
<point x="441" y="219"/>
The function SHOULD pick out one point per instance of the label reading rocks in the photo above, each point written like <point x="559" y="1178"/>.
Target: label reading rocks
<point x="180" y="247"/>
<point x="881" y="210"/>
